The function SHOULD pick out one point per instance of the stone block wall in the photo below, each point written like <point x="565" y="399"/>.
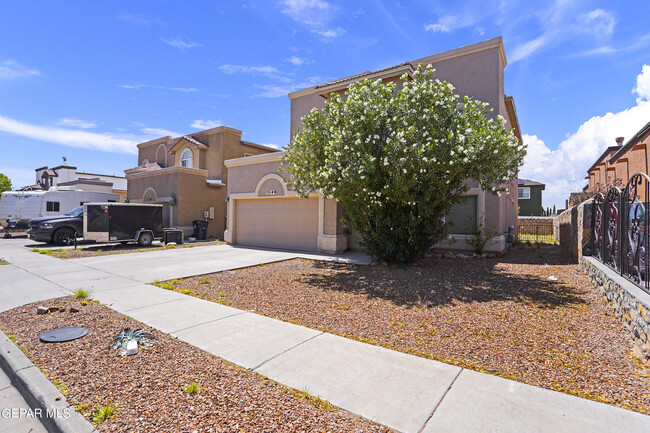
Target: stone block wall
<point x="572" y="229"/>
<point x="631" y="303"/>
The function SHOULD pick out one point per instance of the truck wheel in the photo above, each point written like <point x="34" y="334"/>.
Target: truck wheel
<point x="145" y="239"/>
<point x="64" y="236"/>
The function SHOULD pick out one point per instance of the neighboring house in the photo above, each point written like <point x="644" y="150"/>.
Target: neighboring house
<point x="618" y="163"/>
<point x="68" y="176"/>
<point x="264" y="211"/>
<point x="187" y="176"/>
<point x="530" y="197"/>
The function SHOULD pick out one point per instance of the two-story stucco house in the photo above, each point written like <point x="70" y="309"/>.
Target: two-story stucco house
<point x="264" y="211"/>
<point x="188" y="177"/>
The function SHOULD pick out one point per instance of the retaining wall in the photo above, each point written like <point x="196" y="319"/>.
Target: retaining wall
<point x="631" y="303"/>
<point x="572" y="229"/>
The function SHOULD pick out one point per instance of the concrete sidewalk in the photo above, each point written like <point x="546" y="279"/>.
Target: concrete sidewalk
<point x="405" y="392"/>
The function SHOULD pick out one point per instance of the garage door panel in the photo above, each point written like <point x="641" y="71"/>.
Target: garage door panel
<point x="290" y="223"/>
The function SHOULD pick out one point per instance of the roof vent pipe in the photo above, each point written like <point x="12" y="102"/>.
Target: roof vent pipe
<point x="619" y="141"/>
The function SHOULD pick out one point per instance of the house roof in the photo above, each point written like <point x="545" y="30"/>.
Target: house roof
<point x="361" y="75"/>
<point x="176" y="143"/>
<point x="144" y="167"/>
<point x="527" y="182"/>
<point x="603" y="156"/>
<point x="630" y="143"/>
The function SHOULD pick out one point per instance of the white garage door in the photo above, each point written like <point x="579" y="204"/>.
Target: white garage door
<point x="290" y="223"/>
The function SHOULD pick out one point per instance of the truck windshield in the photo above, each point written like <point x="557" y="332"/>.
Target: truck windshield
<point x="78" y="211"/>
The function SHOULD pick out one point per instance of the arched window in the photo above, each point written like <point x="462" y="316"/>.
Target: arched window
<point x="186" y="158"/>
<point x="145" y="162"/>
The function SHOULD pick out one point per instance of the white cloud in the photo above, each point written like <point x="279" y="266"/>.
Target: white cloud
<point x="563" y="170"/>
<point x="600" y="22"/>
<point x="175" y="89"/>
<point x="10" y="70"/>
<point x="328" y="35"/>
<point x="261" y="70"/>
<point x="562" y="22"/>
<point x="524" y="50"/>
<point x="76" y="123"/>
<point x="281" y="90"/>
<point x="274" y="146"/>
<point x="309" y="12"/>
<point x="298" y="61"/>
<point x="206" y="124"/>
<point x="179" y="43"/>
<point x="69" y="137"/>
<point x="449" y="23"/>
<point x="139" y="20"/>
<point x="642" y="88"/>
<point x="160" y="132"/>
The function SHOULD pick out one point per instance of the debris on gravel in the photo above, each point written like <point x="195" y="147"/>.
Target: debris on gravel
<point x="111" y="249"/>
<point x="531" y="316"/>
<point x="145" y="392"/>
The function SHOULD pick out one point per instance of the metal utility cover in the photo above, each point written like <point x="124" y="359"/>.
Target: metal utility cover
<point x="60" y="335"/>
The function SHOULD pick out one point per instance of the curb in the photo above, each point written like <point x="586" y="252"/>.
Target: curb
<point x="58" y="416"/>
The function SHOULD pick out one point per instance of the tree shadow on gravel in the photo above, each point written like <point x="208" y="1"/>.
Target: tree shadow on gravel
<point x="438" y="282"/>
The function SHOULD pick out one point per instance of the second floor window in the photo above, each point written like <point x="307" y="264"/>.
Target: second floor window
<point x="186" y="158"/>
<point x="524" y="193"/>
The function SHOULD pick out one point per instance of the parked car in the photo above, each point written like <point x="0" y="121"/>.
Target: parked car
<point x="22" y="206"/>
<point x="123" y="222"/>
<point x="58" y="229"/>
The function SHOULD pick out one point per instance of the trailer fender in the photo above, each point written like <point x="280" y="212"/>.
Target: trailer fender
<point x="144" y="237"/>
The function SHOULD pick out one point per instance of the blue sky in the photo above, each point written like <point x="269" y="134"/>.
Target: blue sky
<point x="89" y="80"/>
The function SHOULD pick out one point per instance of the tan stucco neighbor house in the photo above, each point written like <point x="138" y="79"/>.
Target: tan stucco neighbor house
<point x="188" y="177"/>
<point x="264" y="211"/>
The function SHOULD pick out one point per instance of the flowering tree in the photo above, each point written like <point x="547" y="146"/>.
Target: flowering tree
<point x="5" y="183"/>
<point x="397" y="159"/>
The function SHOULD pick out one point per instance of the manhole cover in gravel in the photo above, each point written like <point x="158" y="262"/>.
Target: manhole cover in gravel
<point x="67" y="333"/>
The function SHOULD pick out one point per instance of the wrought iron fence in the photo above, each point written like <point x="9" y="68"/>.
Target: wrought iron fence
<point x="535" y="233"/>
<point x="621" y="228"/>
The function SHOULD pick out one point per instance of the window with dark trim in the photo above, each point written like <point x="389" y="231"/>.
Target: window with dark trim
<point x="52" y="206"/>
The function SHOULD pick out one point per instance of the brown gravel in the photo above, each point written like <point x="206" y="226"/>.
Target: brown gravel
<point x="501" y="316"/>
<point x="147" y="387"/>
<point x="107" y="250"/>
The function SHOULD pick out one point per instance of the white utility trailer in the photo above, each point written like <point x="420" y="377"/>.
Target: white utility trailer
<point x="21" y="206"/>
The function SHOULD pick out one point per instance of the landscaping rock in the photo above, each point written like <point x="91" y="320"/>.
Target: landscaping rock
<point x="42" y="310"/>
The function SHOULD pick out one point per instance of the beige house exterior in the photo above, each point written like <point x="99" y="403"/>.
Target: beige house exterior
<point x="188" y="177"/>
<point x="264" y="211"/>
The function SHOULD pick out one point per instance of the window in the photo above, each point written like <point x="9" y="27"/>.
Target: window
<point x="52" y="206"/>
<point x="145" y="162"/>
<point x="186" y="158"/>
<point x="462" y="217"/>
<point x="524" y="193"/>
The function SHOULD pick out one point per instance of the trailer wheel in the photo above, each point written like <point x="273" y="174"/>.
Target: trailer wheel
<point x="64" y="236"/>
<point x="145" y="239"/>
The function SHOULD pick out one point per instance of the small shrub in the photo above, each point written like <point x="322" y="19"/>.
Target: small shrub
<point x="81" y="294"/>
<point x="205" y="281"/>
<point x="481" y="238"/>
<point x="166" y="286"/>
<point x="221" y="294"/>
<point x="41" y="251"/>
<point x="3" y="261"/>
<point x="170" y="247"/>
<point x="102" y="413"/>
<point x="192" y="388"/>
<point x="186" y="291"/>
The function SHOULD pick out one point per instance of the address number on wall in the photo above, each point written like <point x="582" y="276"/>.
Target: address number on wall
<point x="271" y="192"/>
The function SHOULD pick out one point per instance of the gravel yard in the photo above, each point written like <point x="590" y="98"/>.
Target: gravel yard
<point x="106" y="250"/>
<point x="531" y="316"/>
<point x="147" y="389"/>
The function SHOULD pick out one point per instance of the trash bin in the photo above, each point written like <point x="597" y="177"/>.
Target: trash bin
<point x="200" y="230"/>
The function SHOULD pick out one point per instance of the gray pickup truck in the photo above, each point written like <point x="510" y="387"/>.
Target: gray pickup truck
<point x="58" y="229"/>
